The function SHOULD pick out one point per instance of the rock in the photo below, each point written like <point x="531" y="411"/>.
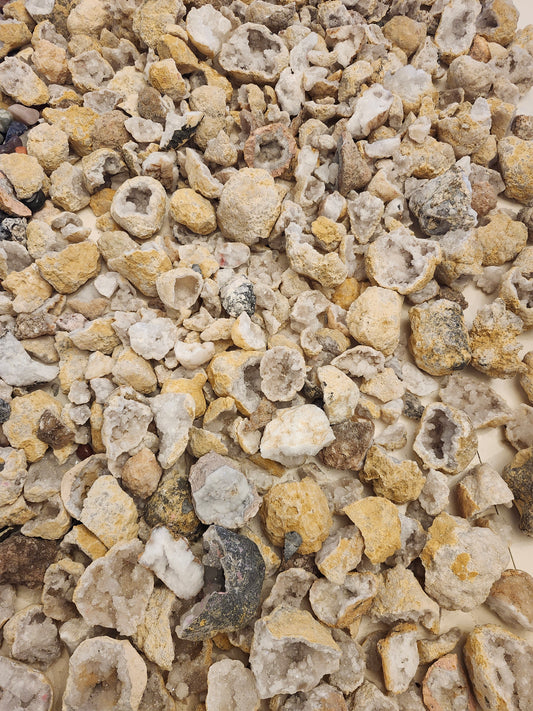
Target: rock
<point x="237" y="296"/>
<point x="405" y="33"/>
<point x="399" y="657"/>
<point x="290" y="588"/>
<point x="515" y="160"/>
<point x="445" y="684"/>
<point x="373" y="516"/>
<point x="191" y="209"/>
<point x="493" y="341"/>
<point x="371" y="111"/>
<point x="272" y="656"/>
<point x="53" y="432"/>
<point x="124" y="426"/>
<point x="22" y="427"/>
<point x="236" y="605"/>
<point x="114" y="590"/>
<point x="327" y="269"/>
<point x="20" y="82"/>
<point x="69" y="269"/>
<point x="131" y="370"/>
<point x="511" y="598"/>
<point x="109" y="512"/>
<point x="370" y="698"/>
<point x="31" y="291"/>
<point x="258" y="149"/>
<point x="398" y="480"/>
<point x="444" y="203"/>
<point x="179" y="288"/>
<point x="282" y="372"/>
<point x="173" y="562"/>
<point x="480" y="489"/>
<point x="249" y="206"/>
<point x="502" y="239"/>
<point x="446" y="439"/>
<point x="515" y="287"/>
<point x="171" y="506"/>
<point x="517" y="475"/>
<point x="154" y="634"/>
<point x="221" y="494"/>
<point x="139" y="206"/>
<point x="439" y="338"/>
<point x="141" y="473"/>
<point x="32" y="636"/>
<point x="23" y="172"/>
<point x="25" y="689"/>
<point x="323" y="696"/>
<point x="108" y="672"/>
<point x="230" y="683"/>
<point x="297" y="506"/>
<point x="374" y="319"/>
<point x="254" y="54"/>
<point x="281" y="443"/>
<point x="436" y="647"/>
<point x="153" y="339"/>
<point x="59" y="582"/>
<point x="173" y="416"/>
<point x="340" y="394"/>
<point x="354" y="171"/>
<point x="23" y="561"/>
<point x="341" y="552"/>
<point x="400" y="598"/>
<point x="233" y="374"/>
<point x="461" y="562"/>
<point x="16" y="366"/>
<point x="499" y="667"/>
<point x="475" y="398"/>
<point x="342" y="605"/>
<point x="352" y="441"/>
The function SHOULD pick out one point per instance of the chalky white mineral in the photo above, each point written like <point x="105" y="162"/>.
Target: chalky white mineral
<point x="296" y="433"/>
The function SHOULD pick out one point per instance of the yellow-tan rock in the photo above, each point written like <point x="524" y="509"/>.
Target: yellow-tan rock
<point x="379" y="522"/>
<point x="23" y="172"/>
<point x="69" y="269"/>
<point x="192" y="386"/>
<point x="395" y="479"/>
<point x="30" y="289"/>
<point x="21" y="428"/>
<point x="502" y="238"/>
<point x="131" y="369"/>
<point x="77" y="122"/>
<point x="374" y="319"/>
<point x="98" y="335"/>
<point x="191" y="209"/>
<point x="141" y="473"/>
<point x="516" y="165"/>
<point x="109" y="512"/>
<point x="141" y="267"/>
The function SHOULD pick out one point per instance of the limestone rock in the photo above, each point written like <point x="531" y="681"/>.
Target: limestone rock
<point x="141" y="267"/>
<point x="124" y="426"/>
<point x="249" y="206"/>
<point x="254" y="54"/>
<point x="340" y="394"/>
<point x="109" y="512"/>
<point x="296" y="433"/>
<point x="517" y="476"/>
<point x="114" y="590"/>
<point x="236" y="605"/>
<point x="139" y="206"/>
<point x="445" y="684"/>
<point x="323" y="696"/>
<point x="24" y="688"/>
<point x="23" y="172"/>
<point x="400" y="598"/>
<point x="436" y="647"/>
<point x="154" y="635"/>
<point x="480" y="489"/>
<point x="327" y="269"/>
<point x="399" y="657"/>
<point x="341" y="605"/>
<point x="278" y="641"/>
<point x="191" y="209"/>
<point x="515" y="164"/>
<point x="398" y="480"/>
<point x="106" y="672"/>
<point x="374" y="319"/>
<point x="173" y="562"/>
<point x="502" y="239"/>
<point x="368" y="696"/>
<point x="19" y="81"/>
<point x="235" y="374"/>
<point x="69" y="269"/>
<point x="32" y="636"/>
<point x="493" y="341"/>
<point x="446" y="439"/>
<point x="439" y="338"/>
<point x="13" y="474"/>
<point x="451" y="39"/>
<point x="290" y="589"/>
<point x="297" y="506"/>
<point x="221" y="494"/>
<point x="77" y="481"/>
<point x="131" y="370"/>
<point x="341" y="552"/>
<point x="461" y="562"/>
<point x="16" y="366"/>
<point x="511" y="598"/>
<point x="229" y="682"/>
<point x="22" y="427"/>
<point x="379" y="522"/>
<point x="499" y="667"/>
<point x="352" y="440"/>
<point x="59" y="582"/>
<point x="173" y="416"/>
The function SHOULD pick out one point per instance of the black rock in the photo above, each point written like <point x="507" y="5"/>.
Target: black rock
<point x="518" y="475"/>
<point x="15" y="128"/>
<point x="412" y="407"/>
<point x="5" y="411"/>
<point x="234" y="607"/>
<point x="237" y="296"/>
<point x="36" y="201"/>
<point x="9" y="146"/>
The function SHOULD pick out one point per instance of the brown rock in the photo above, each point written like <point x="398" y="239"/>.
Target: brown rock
<point x="511" y="598"/>
<point x="23" y="561"/>
<point x="271" y="147"/>
<point x="52" y="431"/>
<point x="352" y="440"/>
<point x="405" y="33"/>
<point x="171" y="506"/>
<point x="518" y="475"/>
<point x="21" y="428"/>
<point x="141" y="473"/>
<point x="354" y="171"/>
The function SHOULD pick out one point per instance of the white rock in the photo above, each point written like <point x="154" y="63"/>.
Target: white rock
<point x="17" y="368"/>
<point x="371" y="110"/>
<point x="24" y="688"/>
<point x="230" y="685"/>
<point x="125" y="423"/>
<point x="143" y="130"/>
<point x="179" y="288"/>
<point x="153" y="339"/>
<point x="221" y="494"/>
<point x="79" y="392"/>
<point x="193" y="355"/>
<point x="207" y="29"/>
<point x="282" y="372"/>
<point x="296" y="433"/>
<point x="340" y="394"/>
<point x="173" y="562"/>
<point x="174" y="415"/>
